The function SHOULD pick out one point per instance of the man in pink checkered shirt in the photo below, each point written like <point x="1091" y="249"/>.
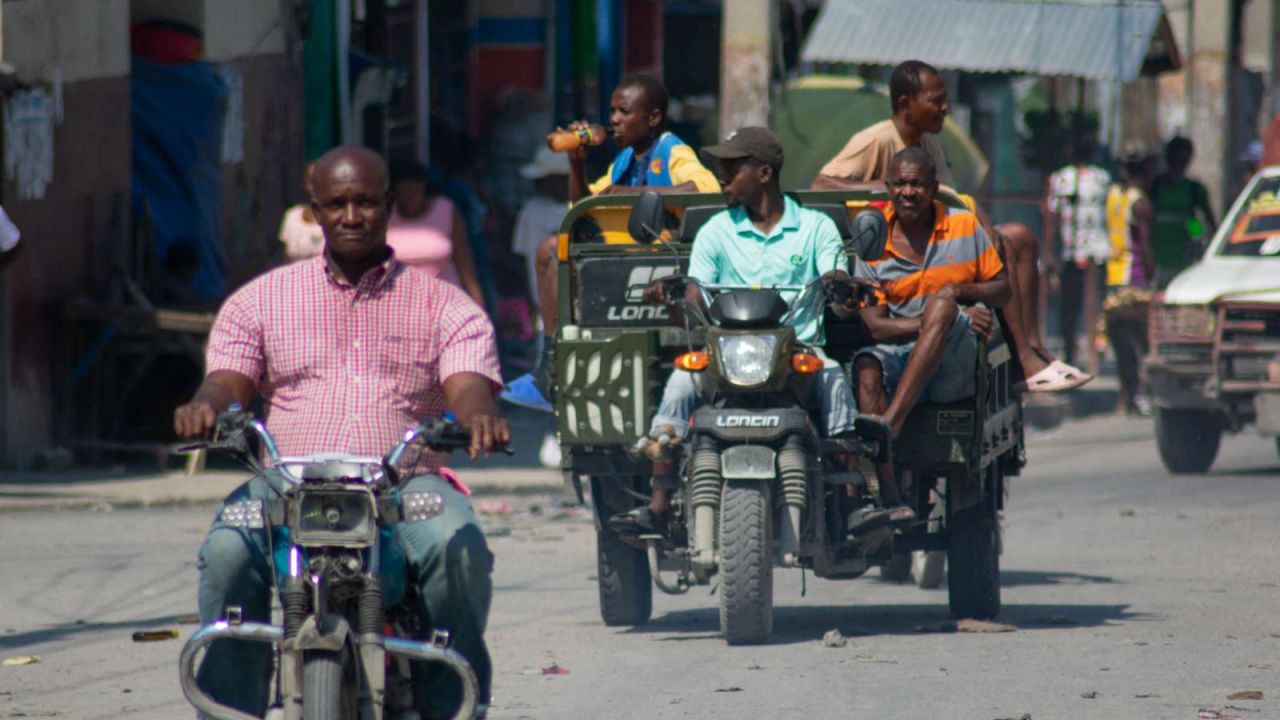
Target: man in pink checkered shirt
<point x="349" y="350"/>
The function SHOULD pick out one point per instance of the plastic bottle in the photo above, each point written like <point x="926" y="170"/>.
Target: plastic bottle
<point x="570" y="140"/>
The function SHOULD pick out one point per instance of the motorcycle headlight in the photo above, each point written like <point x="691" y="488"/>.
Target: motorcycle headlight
<point x="338" y="517"/>
<point x="747" y="359"/>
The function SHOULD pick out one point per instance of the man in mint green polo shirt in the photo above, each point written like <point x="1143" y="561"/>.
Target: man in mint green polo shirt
<point x="763" y="238"/>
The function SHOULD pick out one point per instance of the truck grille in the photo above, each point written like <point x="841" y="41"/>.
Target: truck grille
<point x="1249" y="349"/>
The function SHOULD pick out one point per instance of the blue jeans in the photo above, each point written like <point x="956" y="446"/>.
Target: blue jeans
<point x="449" y="562"/>
<point x="681" y="397"/>
<point x="955" y="376"/>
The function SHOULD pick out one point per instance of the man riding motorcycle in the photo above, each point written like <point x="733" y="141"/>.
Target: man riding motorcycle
<point x="763" y="238"/>
<point x="348" y="350"/>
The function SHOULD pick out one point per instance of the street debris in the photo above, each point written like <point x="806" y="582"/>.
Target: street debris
<point x="1126" y="513"/>
<point x="1026" y="716"/>
<point x="833" y="639"/>
<point x="1089" y="695"/>
<point x="1246" y="695"/>
<point x="729" y="689"/>
<point x="969" y="625"/>
<point x="188" y="620"/>
<point x="554" y="669"/>
<point x="1215" y="715"/>
<point x="21" y="660"/>
<point x="495" y="507"/>
<point x="1145" y="696"/>
<point x="155" y="635"/>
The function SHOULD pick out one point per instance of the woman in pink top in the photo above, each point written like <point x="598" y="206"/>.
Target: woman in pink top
<point x="426" y="231"/>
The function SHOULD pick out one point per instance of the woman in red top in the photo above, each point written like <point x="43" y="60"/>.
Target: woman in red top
<point x="427" y="232"/>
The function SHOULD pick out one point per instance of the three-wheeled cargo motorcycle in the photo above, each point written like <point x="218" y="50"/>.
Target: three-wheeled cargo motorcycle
<point x="760" y="485"/>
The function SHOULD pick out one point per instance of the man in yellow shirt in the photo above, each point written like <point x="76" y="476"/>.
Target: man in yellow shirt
<point x="651" y="158"/>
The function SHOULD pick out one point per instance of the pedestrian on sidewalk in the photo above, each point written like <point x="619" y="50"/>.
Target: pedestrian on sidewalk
<point x="1077" y="197"/>
<point x="1130" y="275"/>
<point x="1183" y="216"/>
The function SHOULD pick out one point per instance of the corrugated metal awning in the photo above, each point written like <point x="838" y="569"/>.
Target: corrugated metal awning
<point x="1095" y="39"/>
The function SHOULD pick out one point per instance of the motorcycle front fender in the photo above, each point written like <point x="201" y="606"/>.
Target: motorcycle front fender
<point x="748" y="462"/>
<point x="327" y="632"/>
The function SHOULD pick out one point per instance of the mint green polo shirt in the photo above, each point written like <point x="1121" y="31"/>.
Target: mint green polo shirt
<point x="804" y="245"/>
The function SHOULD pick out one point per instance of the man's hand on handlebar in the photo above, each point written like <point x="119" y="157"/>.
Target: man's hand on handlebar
<point x="665" y="291"/>
<point x="489" y="433"/>
<point x="195" y="420"/>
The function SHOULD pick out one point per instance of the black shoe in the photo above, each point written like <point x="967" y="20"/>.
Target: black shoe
<point x="868" y="518"/>
<point x="636" y="522"/>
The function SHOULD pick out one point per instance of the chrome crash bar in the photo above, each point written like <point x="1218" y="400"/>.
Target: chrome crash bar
<point x="259" y="632"/>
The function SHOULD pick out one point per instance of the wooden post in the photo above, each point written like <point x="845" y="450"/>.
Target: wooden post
<point x="747" y="28"/>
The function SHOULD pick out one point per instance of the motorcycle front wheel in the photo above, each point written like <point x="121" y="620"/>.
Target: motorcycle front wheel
<point x="746" y="567"/>
<point x="330" y="690"/>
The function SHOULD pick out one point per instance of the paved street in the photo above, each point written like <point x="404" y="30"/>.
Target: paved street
<point x="1134" y="595"/>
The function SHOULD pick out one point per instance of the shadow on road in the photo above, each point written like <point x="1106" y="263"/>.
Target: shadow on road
<point x="14" y="641"/>
<point x="1012" y="578"/>
<point x="793" y="625"/>
<point x="1246" y="471"/>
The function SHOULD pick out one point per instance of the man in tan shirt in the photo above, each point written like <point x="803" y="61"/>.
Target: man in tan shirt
<point x="919" y="101"/>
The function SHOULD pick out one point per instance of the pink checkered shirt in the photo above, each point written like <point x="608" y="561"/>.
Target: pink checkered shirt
<point x="349" y="369"/>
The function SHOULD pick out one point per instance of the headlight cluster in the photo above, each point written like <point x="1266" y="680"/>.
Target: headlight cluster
<point x="1191" y="321"/>
<point x="747" y="359"/>
<point x="244" y="514"/>
<point x="325" y="516"/>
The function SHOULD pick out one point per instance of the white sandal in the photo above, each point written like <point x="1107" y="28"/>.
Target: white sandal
<point x="1073" y="375"/>
<point x="1056" y="377"/>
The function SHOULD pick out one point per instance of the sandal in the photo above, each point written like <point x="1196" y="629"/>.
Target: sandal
<point x="1057" y="377"/>
<point x="636" y="522"/>
<point x="868" y="518"/>
<point x="1073" y="374"/>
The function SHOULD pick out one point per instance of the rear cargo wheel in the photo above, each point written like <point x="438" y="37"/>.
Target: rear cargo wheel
<point x="897" y="570"/>
<point x="746" y="567"/>
<point x="1188" y="439"/>
<point x="973" y="554"/>
<point x="622" y="570"/>
<point x="927" y="566"/>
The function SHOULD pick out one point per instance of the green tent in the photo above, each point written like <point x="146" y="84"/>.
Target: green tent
<point x="815" y="116"/>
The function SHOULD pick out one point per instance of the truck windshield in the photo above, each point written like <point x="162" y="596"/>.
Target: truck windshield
<point x="1255" y="230"/>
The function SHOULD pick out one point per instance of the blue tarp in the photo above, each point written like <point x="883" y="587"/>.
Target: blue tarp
<point x="177" y="143"/>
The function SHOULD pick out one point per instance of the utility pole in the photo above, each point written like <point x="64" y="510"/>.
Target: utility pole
<point x="746" y="50"/>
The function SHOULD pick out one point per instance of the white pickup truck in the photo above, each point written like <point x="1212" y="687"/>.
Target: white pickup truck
<point x="1214" y="365"/>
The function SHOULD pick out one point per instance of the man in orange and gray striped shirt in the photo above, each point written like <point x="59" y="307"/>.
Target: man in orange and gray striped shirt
<point x="938" y="282"/>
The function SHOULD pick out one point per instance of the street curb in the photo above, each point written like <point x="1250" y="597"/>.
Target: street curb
<point x="106" y="504"/>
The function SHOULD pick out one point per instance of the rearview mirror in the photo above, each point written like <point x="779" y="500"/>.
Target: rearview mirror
<point x="870" y="233"/>
<point x="645" y="223"/>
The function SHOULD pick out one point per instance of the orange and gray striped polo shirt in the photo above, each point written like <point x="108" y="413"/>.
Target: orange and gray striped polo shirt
<point x="959" y="252"/>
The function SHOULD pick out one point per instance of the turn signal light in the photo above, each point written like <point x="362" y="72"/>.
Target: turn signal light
<point x="693" y="361"/>
<point x="806" y="363"/>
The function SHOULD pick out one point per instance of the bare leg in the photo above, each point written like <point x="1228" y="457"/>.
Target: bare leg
<point x="660" y="497"/>
<point x="1092" y="307"/>
<point x="922" y="364"/>
<point x="872" y="401"/>
<point x="1017" y="247"/>
<point x="548" y="278"/>
<point x="1069" y="307"/>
